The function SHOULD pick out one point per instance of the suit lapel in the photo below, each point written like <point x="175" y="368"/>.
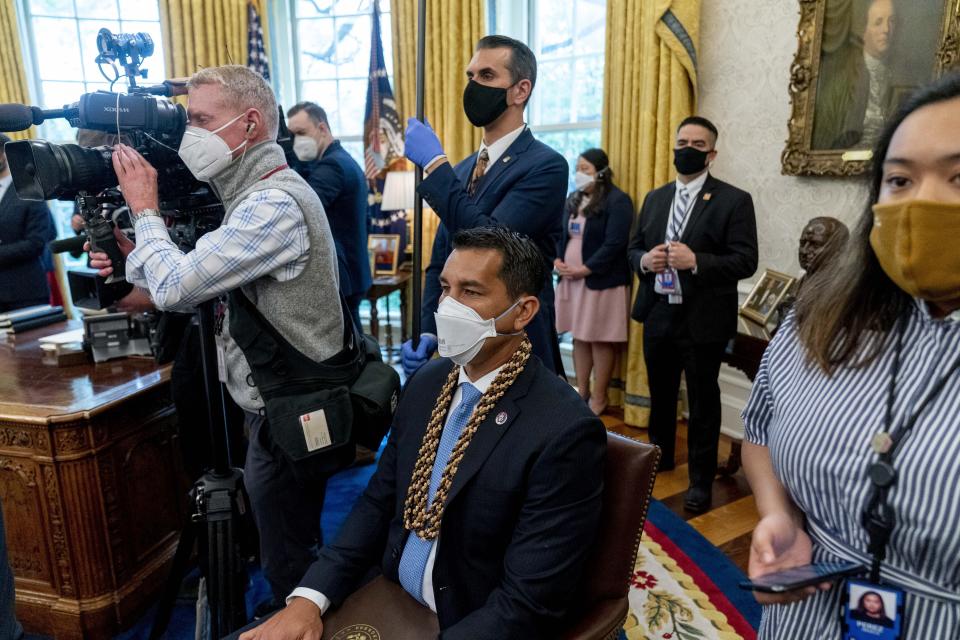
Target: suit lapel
<point x="508" y="159"/>
<point x="498" y="421"/>
<point x="703" y="201"/>
<point x="8" y="196"/>
<point x="663" y="213"/>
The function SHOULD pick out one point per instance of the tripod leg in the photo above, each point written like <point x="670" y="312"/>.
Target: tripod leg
<point x="171" y="587"/>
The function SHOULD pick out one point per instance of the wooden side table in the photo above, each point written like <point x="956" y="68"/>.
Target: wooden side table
<point x="384" y="286"/>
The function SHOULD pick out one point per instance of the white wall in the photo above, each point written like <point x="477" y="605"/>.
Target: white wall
<point x="746" y="49"/>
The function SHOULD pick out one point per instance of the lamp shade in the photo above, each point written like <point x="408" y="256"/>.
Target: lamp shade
<point x="398" y="191"/>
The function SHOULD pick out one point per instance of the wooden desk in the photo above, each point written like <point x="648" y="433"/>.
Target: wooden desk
<point x="91" y="485"/>
<point x="744" y="353"/>
<point x="384" y="286"/>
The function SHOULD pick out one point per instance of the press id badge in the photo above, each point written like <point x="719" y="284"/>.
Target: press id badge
<point x="316" y="433"/>
<point x="666" y="281"/>
<point x="575" y="228"/>
<point x="872" y="611"/>
<point x="221" y="359"/>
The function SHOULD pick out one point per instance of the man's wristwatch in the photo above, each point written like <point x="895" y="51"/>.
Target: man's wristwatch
<point x="143" y="213"/>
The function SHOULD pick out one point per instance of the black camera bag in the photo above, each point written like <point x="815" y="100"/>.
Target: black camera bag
<point x="354" y="389"/>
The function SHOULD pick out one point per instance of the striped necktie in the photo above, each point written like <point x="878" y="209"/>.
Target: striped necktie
<point x="679" y="213"/>
<point x="478" y="170"/>
<point x="416" y="551"/>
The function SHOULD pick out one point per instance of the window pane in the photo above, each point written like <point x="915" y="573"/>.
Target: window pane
<point x="98" y="9"/>
<point x="315" y="8"/>
<point x="589" y="88"/>
<point x="554" y="28"/>
<point x="51" y="7"/>
<point x="353" y="46"/>
<point x="386" y="37"/>
<point x="88" y="48"/>
<point x="58" y="52"/>
<point x="355" y="149"/>
<point x="591" y="20"/>
<point x="353" y="102"/>
<point x="139" y="10"/>
<point x="553" y="105"/>
<point x="58" y="94"/>
<point x="324" y="93"/>
<point x="317" y="49"/>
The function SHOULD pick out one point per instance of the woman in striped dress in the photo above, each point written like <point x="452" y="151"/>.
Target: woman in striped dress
<point x="873" y="344"/>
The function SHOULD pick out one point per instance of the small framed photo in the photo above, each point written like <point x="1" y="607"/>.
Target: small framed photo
<point x="384" y="249"/>
<point x="761" y="305"/>
<point x="873" y="612"/>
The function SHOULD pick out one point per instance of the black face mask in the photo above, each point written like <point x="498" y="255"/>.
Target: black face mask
<point x="689" y="161"/>
<point x="483" y="104"/>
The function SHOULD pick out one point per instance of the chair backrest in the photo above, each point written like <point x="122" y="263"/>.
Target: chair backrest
<point x="629" y="472"/>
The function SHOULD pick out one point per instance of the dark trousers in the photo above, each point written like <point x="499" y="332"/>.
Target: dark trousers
<point x="668" y="352"/>
<point x="286" y="511"/>
<point x="9" y="628"/>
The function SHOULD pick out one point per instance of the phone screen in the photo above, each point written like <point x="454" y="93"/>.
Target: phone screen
<point x="797" y="577"/>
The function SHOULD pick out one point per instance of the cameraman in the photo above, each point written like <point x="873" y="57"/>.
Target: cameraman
<point x="275" y="246"/>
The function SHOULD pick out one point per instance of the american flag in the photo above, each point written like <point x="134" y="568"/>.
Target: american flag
<point x="256" y="52"/>
<point x="382" y="135"/>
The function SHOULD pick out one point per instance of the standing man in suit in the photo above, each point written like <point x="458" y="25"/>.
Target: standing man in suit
<point x="25" y="229"/>
<point x="512" y="181"/>
<point x="500" y="550"/>
<point x="342" y="187"/>
<point x="696" y="237"/>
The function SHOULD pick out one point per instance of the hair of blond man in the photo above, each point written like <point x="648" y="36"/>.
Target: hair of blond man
<point x="242" y="88"/>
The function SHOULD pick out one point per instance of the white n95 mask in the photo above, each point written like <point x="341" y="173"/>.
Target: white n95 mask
<point x="305" y="148"/>
<point x="461" y="331"/>
<point x="582" y="180"/>
<point x="205" y="153"/>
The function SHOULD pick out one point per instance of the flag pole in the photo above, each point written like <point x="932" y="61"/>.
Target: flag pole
<point x="418" y="178"/>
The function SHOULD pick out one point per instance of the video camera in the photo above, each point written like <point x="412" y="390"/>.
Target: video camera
<point x="146" y="121"/>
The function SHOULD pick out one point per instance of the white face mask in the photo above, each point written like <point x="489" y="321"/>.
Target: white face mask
<point x="461" y="331"/>
<point x="582" y="180"/>
<point x="205" y="153"/>
<point x="305" y="148"/>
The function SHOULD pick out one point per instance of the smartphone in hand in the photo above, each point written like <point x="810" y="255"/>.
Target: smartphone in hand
<point x="803" y="576"/>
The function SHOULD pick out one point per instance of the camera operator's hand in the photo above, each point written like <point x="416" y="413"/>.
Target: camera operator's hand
<point x="76" y="223"/>
<point x="138" y="179"/>
<point x="137" y="301"/>
<point x="100" y="260"/>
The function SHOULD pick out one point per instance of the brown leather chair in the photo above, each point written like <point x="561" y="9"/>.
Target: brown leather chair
<point x="629" y="472"/>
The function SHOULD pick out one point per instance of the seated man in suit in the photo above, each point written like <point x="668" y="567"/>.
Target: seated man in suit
<point x="493" y="536"/>
<point x="25" y="229"/>
<point x="513" y="180"/>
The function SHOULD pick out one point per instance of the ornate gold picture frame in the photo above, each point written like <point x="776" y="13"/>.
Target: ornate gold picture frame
<point x="856" y="60"/>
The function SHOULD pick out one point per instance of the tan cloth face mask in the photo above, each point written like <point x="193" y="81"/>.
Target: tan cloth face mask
<point x="918" y="245"/>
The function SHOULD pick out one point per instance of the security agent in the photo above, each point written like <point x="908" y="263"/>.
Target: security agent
<point x="513" y="181"/>
<point x="25" y="229"/>
<point x="492" y="531"/>
<point x="274" y="246"/>
<point x="342" y="187"/>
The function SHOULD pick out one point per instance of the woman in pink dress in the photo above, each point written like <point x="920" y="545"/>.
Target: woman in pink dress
<point x="593" y="293"/>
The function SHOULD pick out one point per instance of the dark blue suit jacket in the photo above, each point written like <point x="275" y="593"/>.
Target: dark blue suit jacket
<point x="521" y="514"/>
<point x="25" y="229"/>
<point x="524" y="191"/>
<point x="605" y="239"/>
<point x="342" y="187"/>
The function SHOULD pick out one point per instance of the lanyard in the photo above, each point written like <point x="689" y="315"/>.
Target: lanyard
<point x="878" y="517"/>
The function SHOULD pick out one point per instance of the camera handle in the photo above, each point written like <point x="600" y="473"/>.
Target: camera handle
<point x="100" y="234"/>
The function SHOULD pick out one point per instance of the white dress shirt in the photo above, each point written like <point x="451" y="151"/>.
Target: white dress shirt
<point x="498" y="148"/>
<point x="694" y="187"/>
<point x="322" y="601"/>
<point x="5" y="183"/>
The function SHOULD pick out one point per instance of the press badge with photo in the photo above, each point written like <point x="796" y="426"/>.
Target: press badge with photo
<point x="872" y="611"/>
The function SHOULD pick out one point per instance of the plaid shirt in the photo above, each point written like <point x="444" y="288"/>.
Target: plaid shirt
<point x="266" y="235"/>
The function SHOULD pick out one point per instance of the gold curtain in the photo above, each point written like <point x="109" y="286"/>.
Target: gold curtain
<point x="13" y="77"/>
<point x="650" y="85"/>
<point x="205" y="33"/>
<point x="452" y="31"/>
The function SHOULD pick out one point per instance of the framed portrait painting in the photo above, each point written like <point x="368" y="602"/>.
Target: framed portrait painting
<point x="384" y="250"/>
<point x="761" y="305"/>
<point x="856" y="62"/>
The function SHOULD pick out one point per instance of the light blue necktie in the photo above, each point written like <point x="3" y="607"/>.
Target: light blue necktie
<point x="416" y="551"/>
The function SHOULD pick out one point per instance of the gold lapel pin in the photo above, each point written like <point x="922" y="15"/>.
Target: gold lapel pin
<point x="506" y="159"/>
<point x="707" y="196"/>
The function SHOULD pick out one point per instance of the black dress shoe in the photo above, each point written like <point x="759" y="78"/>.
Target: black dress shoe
<point x="697" y="500"/>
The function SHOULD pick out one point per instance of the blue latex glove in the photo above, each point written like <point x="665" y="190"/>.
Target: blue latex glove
<point x="412" y="359"/>
<point x="421" y="144"/>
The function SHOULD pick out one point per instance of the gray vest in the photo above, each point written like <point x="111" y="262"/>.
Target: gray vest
<point x="305" y="310"/>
